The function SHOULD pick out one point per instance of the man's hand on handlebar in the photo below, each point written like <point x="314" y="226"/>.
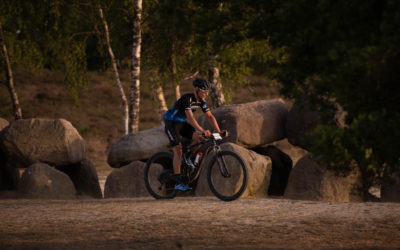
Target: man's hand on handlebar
<point x="224" y="133"/>
<point x="206" y="133"/>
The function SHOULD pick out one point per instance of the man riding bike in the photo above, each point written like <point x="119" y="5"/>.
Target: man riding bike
<point x="180" y="122"/>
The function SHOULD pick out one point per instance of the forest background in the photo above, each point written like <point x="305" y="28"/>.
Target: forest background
<point x="85" y="58"/>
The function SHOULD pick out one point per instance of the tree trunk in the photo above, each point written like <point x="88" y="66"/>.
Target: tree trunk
<point x="134" y="105"/>
<point x="217" y="95"/>
<point x="159" y="98"/>
<point x="10" y="78"/>
<point x="177" y="90"/>
<point x="124" y="101"/>
<point x="174" y="73"/>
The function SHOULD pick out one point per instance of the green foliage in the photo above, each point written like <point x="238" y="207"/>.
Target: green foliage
<point x="167" y="36"/>
<point x="347" y="51"/>
<point x="75" y="68"/>
<point x="24" y="54"/>
<point x="370" y="140"/>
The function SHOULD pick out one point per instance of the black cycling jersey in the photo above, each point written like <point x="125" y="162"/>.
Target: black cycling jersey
<point x="187" y="101"/>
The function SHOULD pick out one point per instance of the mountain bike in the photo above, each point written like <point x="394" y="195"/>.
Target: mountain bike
<point x="226" y="170"/>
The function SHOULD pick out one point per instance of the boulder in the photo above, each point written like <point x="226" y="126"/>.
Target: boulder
<point x="281" y="167"/>
<point x="310" y="180"/>
<point x="138" y="146"/>
<point x="55" y="142"/>
<point x="85" y="179"/>
<point x="40" y="181"/>
<point x="251" y="124"/>
<point x="303" y="118"/>
<point x="3" y="123"/>
<point x="127" y="181"/>
<point x="294" y="152"/>
<point x="390" y="188"/>
<point x="259" y="170"/>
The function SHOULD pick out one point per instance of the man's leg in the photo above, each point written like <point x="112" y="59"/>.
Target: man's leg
<point x="177" y="159"/>
<point x="177" y="168"/>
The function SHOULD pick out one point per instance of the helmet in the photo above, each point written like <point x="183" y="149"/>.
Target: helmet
<point x="201" y="83"/>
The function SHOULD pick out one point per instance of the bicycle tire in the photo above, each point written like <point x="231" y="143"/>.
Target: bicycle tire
<point x="227" y="188"/>
<point x="158" y="176"/>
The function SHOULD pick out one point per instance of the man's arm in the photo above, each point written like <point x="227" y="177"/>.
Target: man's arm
<point x="192" y="121"/>
<point x="213" y="122"/>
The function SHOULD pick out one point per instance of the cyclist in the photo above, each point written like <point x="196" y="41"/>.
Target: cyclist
<point x="180" y="122"/>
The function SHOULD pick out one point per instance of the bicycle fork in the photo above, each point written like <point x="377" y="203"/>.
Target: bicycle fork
<point x="222" y="166"/>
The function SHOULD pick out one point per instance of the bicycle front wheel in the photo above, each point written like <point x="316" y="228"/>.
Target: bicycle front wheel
<point x="227" y="175"/>
<point x="159" y="176"/>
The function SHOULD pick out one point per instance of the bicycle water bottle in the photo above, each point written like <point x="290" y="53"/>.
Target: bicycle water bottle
<point x="197" y="159"/>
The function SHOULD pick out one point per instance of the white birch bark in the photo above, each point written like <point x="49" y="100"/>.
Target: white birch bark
<point x="177" y="90"/>
<point x="134" y="105"/>
<point x="217" y="95"/>
<point x="10" y="78"/>
<point x="124" y="101"/>
<point x="176" y="85"/>
<point x="159" y="98"/>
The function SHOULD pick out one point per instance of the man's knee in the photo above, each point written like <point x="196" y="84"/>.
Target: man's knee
<point x="177" y="149"/>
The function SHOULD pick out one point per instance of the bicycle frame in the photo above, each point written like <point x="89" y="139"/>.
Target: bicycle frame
<point x="213" y="146"/>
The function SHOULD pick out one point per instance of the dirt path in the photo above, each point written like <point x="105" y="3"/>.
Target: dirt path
<point x="192" y="222"/>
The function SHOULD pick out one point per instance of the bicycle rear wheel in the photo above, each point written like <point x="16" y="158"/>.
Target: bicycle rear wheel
<point x="227" y="175"/>
<point x="158" y="176"/>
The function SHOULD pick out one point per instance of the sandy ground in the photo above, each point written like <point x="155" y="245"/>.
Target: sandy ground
<point x="193" y="222"/>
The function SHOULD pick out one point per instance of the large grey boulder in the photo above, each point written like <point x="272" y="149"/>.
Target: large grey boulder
<point x="294" y="152"/>
<point x="138" y="146"/>
<point x="251" y="124"/>
<point x="85" y="178"/>
<point x="303" y="117"/>
<point x="311" y="180"/>
<point x="40" y="181"/>
<point x="259" y="169"/>
<point x="55" y="142"/>
<point x="127" y="181"/>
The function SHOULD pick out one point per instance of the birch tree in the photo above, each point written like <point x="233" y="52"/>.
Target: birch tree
<point x="217" y="95"/>
<point x="134" y="105"/>
<point x="124" y="102"/>
<point x="159" y="97"/>
<point x="174" y="72"/>
<point x="10" y="78"/>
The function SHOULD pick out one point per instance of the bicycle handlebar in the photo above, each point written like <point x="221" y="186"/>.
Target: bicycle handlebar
<point x="223" y="134"/>
<point x="207" y="139"/>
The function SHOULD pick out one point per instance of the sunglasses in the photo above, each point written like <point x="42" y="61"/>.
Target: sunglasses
<point x="203" y="90"/>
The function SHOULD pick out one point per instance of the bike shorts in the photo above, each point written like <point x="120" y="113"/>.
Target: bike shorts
<point x="177" y="131"/>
